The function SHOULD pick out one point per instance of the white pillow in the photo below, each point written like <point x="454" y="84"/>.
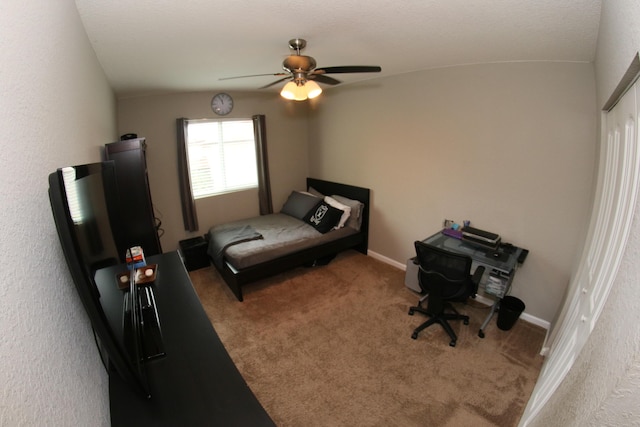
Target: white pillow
<point x="346" y="210"/>
<point x="355" y="219"/>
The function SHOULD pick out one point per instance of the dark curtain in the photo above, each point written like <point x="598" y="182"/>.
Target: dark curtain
<point x="264" y="186"/>
<point x="189" y="214"/>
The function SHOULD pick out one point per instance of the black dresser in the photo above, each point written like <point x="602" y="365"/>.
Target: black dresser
<point x="135" y="207"/>
<point x="196" y="383"/>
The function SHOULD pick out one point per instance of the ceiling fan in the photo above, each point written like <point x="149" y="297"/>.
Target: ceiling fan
<point x="302" y="74"/>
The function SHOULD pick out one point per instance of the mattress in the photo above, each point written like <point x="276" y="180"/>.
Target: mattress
<point x="281" y="235"/>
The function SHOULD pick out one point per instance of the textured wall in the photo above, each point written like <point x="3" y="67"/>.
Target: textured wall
<point x="603" y="386"/>
<point x="56" y="110"/>
<point x="618" y="42"/>
<point x="510" y="147"/>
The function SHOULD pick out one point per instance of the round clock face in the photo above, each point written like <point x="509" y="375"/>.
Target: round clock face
<point x="222" y="104"/>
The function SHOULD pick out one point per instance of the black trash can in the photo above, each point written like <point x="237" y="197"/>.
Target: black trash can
<point x="510" y="309"/>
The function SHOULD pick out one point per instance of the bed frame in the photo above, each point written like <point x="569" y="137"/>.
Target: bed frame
<point x="236" y="279"/>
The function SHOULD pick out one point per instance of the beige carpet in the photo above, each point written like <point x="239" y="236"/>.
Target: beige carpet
<point x="331" y="346"/>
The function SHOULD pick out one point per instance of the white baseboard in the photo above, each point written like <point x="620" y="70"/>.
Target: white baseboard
<point x="386" y="260"/>
<point x="535" y="320"/>
<point x="524" y="316"/>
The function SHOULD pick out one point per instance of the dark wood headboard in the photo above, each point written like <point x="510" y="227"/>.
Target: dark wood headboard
<point x="329" y="188"/>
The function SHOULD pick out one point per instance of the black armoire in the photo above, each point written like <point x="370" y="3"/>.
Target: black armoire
<point x="136" y="208"/>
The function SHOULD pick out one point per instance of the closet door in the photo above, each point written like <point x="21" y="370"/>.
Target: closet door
<point x="614" y="202"/>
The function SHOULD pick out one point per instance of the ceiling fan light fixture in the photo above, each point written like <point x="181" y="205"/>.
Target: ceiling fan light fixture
<point x="300" y="92"/>
<point x="289" y="91"/>
<point x="292" y="91"/>
<point x="313" y="89"/>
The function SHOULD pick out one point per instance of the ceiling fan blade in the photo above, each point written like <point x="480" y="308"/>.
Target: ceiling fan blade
<point x="254" y="75"/>
<point x="276" y="82"/>
<point x="349" y="69"/>
<point x="324" y="79"/>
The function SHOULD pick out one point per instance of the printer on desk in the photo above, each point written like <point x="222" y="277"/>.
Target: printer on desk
<point x="491" y="241"/>
<point x="481" y="237"/>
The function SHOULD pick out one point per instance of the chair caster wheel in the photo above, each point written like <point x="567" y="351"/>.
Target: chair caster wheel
<point x="481" y="334"/>
<point x="414" y="336"/>
<point x="410" y="312"/>
<point x="465" y="321"/>
<point x="452" y="343"/>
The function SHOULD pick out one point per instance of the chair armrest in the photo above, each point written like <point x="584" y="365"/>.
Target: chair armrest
<point x="477" y="276"/>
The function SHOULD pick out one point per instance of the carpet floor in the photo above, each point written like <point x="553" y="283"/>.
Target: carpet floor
<point x="331" y="346"/>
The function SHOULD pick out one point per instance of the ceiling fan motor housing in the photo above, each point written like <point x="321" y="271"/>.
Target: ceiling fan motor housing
<point x="294" y="63"/>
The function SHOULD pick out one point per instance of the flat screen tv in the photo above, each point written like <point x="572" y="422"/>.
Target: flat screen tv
<point x="84" y="202"/>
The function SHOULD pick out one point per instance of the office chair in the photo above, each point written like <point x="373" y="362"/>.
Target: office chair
<point x="444" y="276"/>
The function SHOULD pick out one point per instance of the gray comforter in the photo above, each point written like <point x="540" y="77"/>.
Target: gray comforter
<point x="281" y="235"/>
<point x="227" y="237"/>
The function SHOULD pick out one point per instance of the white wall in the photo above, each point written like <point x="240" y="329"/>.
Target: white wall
<point x="57" y="109"/>
<point x="603" y="386"/>
<point x="618" y="43"/>
<point x="510" y="147"/>
<point x="154" y="117"/>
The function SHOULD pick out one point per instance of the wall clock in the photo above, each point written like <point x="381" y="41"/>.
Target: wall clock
<point x="222" y="104"/>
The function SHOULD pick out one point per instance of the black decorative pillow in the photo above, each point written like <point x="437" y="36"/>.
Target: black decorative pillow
<point x="323" y="217"/>
<point x="299" y="204"/>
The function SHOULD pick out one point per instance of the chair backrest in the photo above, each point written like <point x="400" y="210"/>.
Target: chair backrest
<point x="442" y="273"/>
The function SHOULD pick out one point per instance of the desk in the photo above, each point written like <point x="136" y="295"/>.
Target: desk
<point x="196" y="383"/>
<point x="500" y="266"/>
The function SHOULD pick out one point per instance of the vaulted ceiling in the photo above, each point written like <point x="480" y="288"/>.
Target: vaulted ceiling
<point x="157" y="46"/>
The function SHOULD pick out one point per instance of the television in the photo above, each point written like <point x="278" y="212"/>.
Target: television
<point x="85" y="205"/>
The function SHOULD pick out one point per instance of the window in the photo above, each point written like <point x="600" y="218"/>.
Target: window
<point x="222" y="156"/>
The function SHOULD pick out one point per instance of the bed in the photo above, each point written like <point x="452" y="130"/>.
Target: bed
<point x="249" y="250"/>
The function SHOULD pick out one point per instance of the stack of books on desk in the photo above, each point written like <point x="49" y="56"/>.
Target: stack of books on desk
<point x="481" y="237"/>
